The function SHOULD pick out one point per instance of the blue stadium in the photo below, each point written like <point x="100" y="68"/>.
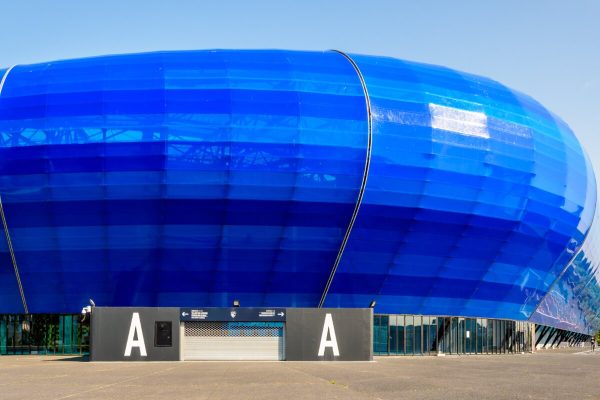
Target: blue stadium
<point x="291" y="179"/>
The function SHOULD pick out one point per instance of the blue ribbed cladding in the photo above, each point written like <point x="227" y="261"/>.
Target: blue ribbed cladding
<point x="180" y="178"/>
<point x="195" y="178"/>
<point x="572" y="302"/>
<point x="9" y="290"/>
<point x="477" y="197"/>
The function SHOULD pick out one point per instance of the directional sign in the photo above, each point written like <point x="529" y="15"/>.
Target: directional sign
<point x="242" y="314"/>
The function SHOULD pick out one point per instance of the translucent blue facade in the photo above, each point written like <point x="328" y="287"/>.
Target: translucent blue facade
<point x="285" y="178"/>
<point x="572" y="302"/>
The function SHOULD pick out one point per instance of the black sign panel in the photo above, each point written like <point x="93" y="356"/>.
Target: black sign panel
<point x="329" y="334"/>
<point x="134" y="334"/>
<point x="245" y="314"/>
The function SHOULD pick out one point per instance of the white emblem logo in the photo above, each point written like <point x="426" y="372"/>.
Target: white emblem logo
<point x="233" y="314"/>
<point x="135" y="329"/>
<point x="328" y="330"/>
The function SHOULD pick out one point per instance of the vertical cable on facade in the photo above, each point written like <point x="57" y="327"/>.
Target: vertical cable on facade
<point x="8" y="241"/>
<point x="12" y="257"/>
<point x="363" y="183"/>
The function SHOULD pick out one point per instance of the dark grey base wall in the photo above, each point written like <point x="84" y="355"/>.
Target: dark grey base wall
<point x="111" y="328"/>
<point x="132" y="334"/>
<point x="329" y="334"/>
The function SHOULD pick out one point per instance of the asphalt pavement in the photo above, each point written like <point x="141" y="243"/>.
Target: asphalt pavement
<point x="553" y="374"/>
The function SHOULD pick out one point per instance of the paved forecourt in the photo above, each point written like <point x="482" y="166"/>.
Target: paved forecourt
<point x="571" y="373"/>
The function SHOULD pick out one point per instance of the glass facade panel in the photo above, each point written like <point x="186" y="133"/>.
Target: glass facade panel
<point x="499" y="337"/>
<point x="401" y="335"/>
<point x="426" y="335"/>
<point x="409" y="335"/>
<point x="473" y="336"/>
<point x="68" y="333"/>
<point x="467" y="335"/>
<point x="429" y="334"/>
<point x="453" y="335"/>
<point x="462" y="336"/>
<point x="2" y="334"/>
<point x="520" y="336"/>
<point x="43" y="334"/>
<point x="504" y="336"/>
<point x="494" y="334"/>
<point x="443" y="324"/>
<point x="490" y="336"/>
<point x="478" y="338"/>
<point x="484" y="333"/>
<point x="510" y="335"/>
<point x="418" y="335"/>
<point x="518" y="343"/>
<point x="380" y="334"/>
<point x="433" y="341"/>
<point x="394" y="333"/>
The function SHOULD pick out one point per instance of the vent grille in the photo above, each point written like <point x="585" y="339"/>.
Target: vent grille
<point x="234" y="329"/>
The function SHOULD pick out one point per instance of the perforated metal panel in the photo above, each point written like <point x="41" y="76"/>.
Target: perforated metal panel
<point x="233" y="341"/>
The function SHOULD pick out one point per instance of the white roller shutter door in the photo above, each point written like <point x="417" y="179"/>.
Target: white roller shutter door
<point x="233" y="341"/>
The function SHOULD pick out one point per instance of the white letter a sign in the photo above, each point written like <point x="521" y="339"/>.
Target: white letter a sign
<point x="135" y="330"/>
<point x="328" y="330"/>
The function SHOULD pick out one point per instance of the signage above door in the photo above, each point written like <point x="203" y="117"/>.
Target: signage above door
<point x="227" y="314"/>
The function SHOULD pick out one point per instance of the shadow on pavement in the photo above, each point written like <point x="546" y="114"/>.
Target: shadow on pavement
<point x="69" y="359"/>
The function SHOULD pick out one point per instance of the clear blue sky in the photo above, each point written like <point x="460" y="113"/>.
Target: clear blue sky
<point x="548" y="49"/>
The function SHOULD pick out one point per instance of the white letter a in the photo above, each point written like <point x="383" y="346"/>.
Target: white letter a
<point x="328" y="328"/>
<point x="135" y="329"/>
